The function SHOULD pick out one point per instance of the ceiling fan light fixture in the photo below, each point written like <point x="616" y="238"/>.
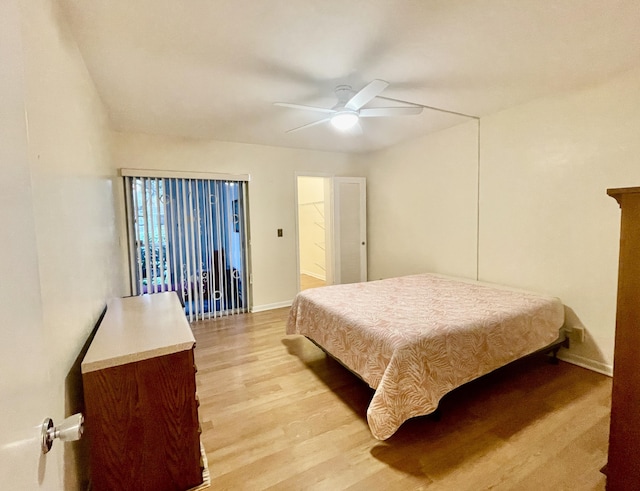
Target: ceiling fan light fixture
<point x="346" y="114"/>
<point x="344" y="120"/>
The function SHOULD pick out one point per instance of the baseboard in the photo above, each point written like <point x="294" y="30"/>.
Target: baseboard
<point x="271" y="306"/>
<point x="587" y="363"/>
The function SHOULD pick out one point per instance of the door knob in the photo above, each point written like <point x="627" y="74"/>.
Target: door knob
<point x="69" y="430"/>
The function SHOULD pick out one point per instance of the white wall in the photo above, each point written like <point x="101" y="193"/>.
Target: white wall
<point x="422" y="205"/>
<point x="272" y="202"/>
<point x="545" y="221"/>
<point x="59" y="254"/>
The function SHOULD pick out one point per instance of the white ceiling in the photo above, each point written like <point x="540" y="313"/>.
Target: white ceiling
<point x="212" y="68"/>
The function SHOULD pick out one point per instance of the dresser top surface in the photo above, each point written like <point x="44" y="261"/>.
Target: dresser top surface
<point x="139" y="328"/>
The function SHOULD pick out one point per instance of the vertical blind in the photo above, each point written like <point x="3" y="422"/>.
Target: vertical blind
<point x="190" y="236"/>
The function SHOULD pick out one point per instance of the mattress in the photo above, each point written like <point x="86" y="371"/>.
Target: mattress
<point x="415" y="338"/>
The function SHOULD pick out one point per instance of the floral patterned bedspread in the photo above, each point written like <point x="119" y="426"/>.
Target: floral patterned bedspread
<point x="415" y="338"/>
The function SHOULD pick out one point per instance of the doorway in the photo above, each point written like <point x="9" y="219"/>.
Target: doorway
<point x="331" y="220"/>
<point x="314" y="231"/>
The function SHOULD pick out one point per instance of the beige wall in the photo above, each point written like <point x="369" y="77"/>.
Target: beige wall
<point x="422" y="205"/>
<point x="545" y="221"/>
<point x="59" y="250"/>
<point x="72" y="180"/>
<point x="272" y="202"/>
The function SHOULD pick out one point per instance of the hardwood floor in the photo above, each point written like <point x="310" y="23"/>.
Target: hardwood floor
<point x="307" y="282"/>
<point x="276" y="413"/>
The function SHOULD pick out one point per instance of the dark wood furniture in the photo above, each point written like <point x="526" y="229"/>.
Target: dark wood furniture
<point x="623" y="467"/>
<point x="141" y="412"/>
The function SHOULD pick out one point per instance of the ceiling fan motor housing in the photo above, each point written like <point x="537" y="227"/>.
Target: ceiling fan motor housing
<point x="343" y="94"/>
<point x="350" y="107"/>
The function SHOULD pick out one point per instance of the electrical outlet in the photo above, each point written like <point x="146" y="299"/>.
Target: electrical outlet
<point x="577" y="334"/>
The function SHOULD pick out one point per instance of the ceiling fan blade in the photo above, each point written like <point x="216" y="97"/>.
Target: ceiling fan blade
<point x="325" y="120"/>
<point x="366" y="94"/>
<point x="376" y="112"/>
<point x="308" y="108"/>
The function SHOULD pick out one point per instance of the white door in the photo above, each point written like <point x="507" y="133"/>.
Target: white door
<point x="350" y="229"/>
<point x="27" y="395"/>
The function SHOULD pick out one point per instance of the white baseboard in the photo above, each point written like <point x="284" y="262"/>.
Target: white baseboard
<point x="271" y="306"/>
<point x="587" y="363"/>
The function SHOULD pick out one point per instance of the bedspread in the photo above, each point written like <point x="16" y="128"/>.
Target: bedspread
<point x="415" y="338"/>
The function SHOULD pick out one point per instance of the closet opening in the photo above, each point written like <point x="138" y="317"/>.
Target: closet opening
<point x="315" y="255"/>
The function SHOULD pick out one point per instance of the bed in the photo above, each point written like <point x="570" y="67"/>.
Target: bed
<point x="415" y="338"/>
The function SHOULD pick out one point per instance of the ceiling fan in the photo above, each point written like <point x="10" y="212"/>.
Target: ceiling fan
<point x="347" y="112"/>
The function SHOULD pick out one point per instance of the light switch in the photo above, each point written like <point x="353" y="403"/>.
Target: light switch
<point x="279" y="232"/>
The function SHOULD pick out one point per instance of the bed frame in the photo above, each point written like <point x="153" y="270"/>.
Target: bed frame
<point x="551" y="350"/>
<point x="415" y="338"/>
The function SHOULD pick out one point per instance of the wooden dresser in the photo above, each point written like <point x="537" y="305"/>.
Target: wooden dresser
<point x="141" y="413"/>
<point x="623" y="467"/>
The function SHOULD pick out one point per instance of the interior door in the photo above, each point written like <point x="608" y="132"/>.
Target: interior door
<point x="350" y="229"/>
<point x="27" y="395"/>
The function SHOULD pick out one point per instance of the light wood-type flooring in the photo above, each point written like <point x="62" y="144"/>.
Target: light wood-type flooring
<point x="276" y="413"/>
<point x="307" y="281"/>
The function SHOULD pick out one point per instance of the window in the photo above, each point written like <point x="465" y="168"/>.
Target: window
<point x="189" y="235"/>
